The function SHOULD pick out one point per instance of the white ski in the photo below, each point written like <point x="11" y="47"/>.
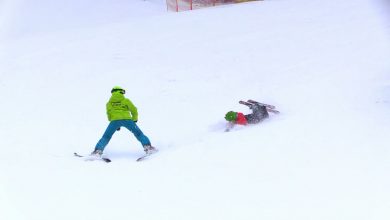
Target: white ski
<point x="145" y="156"/>
<point x="92" y="158"/>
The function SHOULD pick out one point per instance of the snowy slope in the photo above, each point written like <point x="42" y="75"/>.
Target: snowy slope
<point x="24" y="18"/>
<point x="324" y="64"/>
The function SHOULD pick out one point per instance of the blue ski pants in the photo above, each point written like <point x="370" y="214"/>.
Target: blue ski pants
<point x="114" y="125"/>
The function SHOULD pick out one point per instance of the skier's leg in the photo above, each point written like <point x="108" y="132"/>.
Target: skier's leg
<point x="132" y="126"/>
<point x="107" y="135"/>
<point x="259" y="114"/>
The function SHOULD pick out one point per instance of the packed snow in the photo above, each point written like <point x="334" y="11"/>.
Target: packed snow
<point x="323" y="64"/>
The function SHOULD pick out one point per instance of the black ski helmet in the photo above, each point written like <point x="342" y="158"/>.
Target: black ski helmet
<point x="118" y="89"/>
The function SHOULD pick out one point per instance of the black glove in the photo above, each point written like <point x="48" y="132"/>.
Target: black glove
<point x="118" y="129"/>
<point x="135" y="121"/>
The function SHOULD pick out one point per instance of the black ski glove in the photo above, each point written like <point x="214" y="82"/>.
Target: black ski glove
<point x="135" y="121"/>
<point x="118" y="129"/>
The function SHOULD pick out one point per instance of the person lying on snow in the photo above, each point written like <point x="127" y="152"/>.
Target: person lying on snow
<point x="259" y="113"/>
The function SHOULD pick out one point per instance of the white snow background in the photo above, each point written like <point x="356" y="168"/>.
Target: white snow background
<point x="324" y="64"/>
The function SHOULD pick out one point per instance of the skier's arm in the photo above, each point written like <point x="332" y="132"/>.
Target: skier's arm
<point x="133" y="110"/>
<point x="108" y="111"/>
<point x="229" y="126"/>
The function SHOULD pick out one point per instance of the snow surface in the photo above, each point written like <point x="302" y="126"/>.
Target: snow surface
<point x="324" y="64"/>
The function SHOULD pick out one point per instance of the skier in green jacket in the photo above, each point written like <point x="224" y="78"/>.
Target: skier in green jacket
<point x="121" y="112"/>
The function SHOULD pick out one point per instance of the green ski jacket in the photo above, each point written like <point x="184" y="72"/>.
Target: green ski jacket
<point x="121" y="108"/>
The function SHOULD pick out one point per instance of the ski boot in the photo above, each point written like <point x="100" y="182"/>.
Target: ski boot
<point x="97" y="153"/>
<point x="149" y="149"/>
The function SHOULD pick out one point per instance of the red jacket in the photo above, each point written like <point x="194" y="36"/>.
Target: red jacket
<point x="241" y="120"/>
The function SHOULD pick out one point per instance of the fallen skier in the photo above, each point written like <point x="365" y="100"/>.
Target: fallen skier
<point x="259" y="113"/>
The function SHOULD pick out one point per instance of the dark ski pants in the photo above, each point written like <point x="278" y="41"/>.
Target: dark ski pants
<point x="114" y="125"/>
